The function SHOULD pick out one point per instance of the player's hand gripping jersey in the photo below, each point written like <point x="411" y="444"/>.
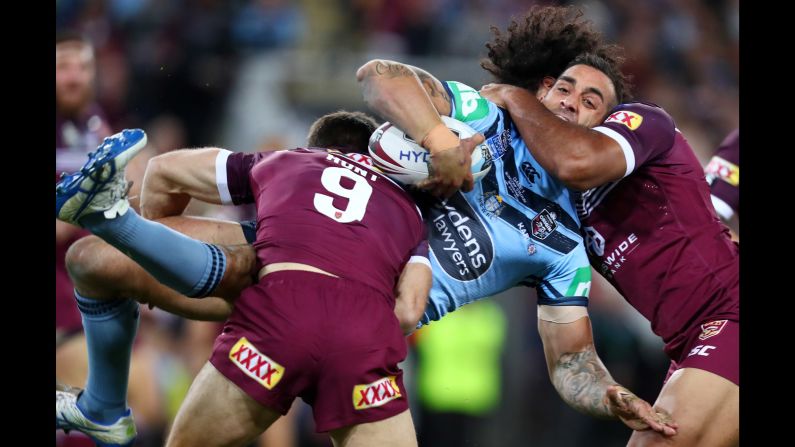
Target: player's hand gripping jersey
<point x="518" y="226"/>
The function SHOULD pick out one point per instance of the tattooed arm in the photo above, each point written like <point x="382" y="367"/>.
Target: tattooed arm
<point x="582" y="380"/>
<point x="412" y="99"/>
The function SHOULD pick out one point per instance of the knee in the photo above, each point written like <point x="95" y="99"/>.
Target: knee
<point x="83" y="260"/>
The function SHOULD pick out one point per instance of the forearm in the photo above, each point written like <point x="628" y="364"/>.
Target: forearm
<point x="160" y="197"/>
<point x="409" y="101"/>
<point x="411" y="295"/>
<point x="172" y="179"/>
<point x="582" y="381"/>
<point x="558" y="146"/>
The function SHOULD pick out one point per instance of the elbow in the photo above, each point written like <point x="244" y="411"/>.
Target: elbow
<point x="367" y="70"/>
<point x="378" y="91"/>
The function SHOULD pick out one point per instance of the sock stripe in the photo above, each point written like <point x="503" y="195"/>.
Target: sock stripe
<point x="90" y="306"/>
<point x="217" y="268"/>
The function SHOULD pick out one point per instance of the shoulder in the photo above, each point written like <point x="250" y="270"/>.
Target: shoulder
<point x="637" y="115"/>
<point x="468" y="104"/>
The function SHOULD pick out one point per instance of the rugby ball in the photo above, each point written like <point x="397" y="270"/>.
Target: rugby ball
<point x="402" y="159"/>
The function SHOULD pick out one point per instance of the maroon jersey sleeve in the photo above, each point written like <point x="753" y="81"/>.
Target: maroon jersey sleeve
<point x="723" y="175"/>
<point x="420" y="253"/>
<point x="643" y="130"/>
<point x="232" y="175"/>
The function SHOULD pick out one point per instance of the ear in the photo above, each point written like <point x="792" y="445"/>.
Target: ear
<point x="545" y="86"/>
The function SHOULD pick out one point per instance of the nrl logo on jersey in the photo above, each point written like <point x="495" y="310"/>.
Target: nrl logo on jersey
<point x="711" y="329"/>
<point x="543" y="224"/>
<point x="255" y="364"/>
<point x="375" y="394"/>
<point x="627" y="118"/>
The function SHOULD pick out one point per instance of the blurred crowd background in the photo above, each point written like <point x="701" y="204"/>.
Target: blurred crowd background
<point x="252" y="75"/>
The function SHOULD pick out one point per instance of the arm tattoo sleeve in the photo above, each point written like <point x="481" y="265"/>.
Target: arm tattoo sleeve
<point x="432" y="85"/>
<point x="581" y="380"/>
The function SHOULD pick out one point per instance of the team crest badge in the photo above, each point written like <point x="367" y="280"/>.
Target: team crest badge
<point x="711" y="329"/>
<point x="491" y="203"/>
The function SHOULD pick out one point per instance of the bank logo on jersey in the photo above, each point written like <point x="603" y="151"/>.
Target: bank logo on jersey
<point x="543" y="224"/>
<point x="627" y="118"/>
<point x="459" y="240"/>
<point x="594" y="242"/>
<point x="255" y="364"/>
<point x="724" y="170"/>
<point x="711" y="329"/>
<point x="469" y="105"/>
<point x="375" y="394"/>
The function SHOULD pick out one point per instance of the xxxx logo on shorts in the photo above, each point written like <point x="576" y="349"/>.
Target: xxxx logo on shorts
<point x="255" y="364"/>
<point x="711" y="328"/>
<point x="375" y="394"/>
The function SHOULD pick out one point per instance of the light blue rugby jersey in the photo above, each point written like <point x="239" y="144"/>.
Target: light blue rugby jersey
<point x="518" y="226"/>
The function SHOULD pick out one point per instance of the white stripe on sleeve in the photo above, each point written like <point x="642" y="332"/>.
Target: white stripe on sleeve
<point x="420" y="260"/>
<point x="220" y="176"/>
<point x="722" y="208"/>
<point x="629" y="155"/>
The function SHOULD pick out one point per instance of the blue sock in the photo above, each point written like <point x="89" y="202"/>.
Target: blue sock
<point x="110" y="328"/>
<point x="188" y="266"/>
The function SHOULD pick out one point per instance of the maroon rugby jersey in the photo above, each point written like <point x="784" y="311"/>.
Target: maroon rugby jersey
<point x="322" y="209"/>
<point x="723" y="175"/>
<point x="654" y="234"/>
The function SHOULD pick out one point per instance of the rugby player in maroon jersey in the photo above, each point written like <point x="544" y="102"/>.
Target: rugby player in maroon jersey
<point x="651" y="232"/>
<point x="336" y="244"/>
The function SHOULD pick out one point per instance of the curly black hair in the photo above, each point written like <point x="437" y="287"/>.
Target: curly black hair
<point x="343" y="130"/>
<point x="543" y="43"/>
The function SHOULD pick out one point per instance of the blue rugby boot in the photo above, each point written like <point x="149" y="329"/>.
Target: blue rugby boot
<point x="99" y="186"/>
<point x="69" y="417"/>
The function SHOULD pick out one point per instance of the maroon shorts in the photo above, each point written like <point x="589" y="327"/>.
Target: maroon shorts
<point x="713" y="346"/>
<point x="335" y="343"/>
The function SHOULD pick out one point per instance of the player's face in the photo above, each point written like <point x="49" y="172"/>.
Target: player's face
<point x="74" y="74"/>
<point x="581" y="95"/>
